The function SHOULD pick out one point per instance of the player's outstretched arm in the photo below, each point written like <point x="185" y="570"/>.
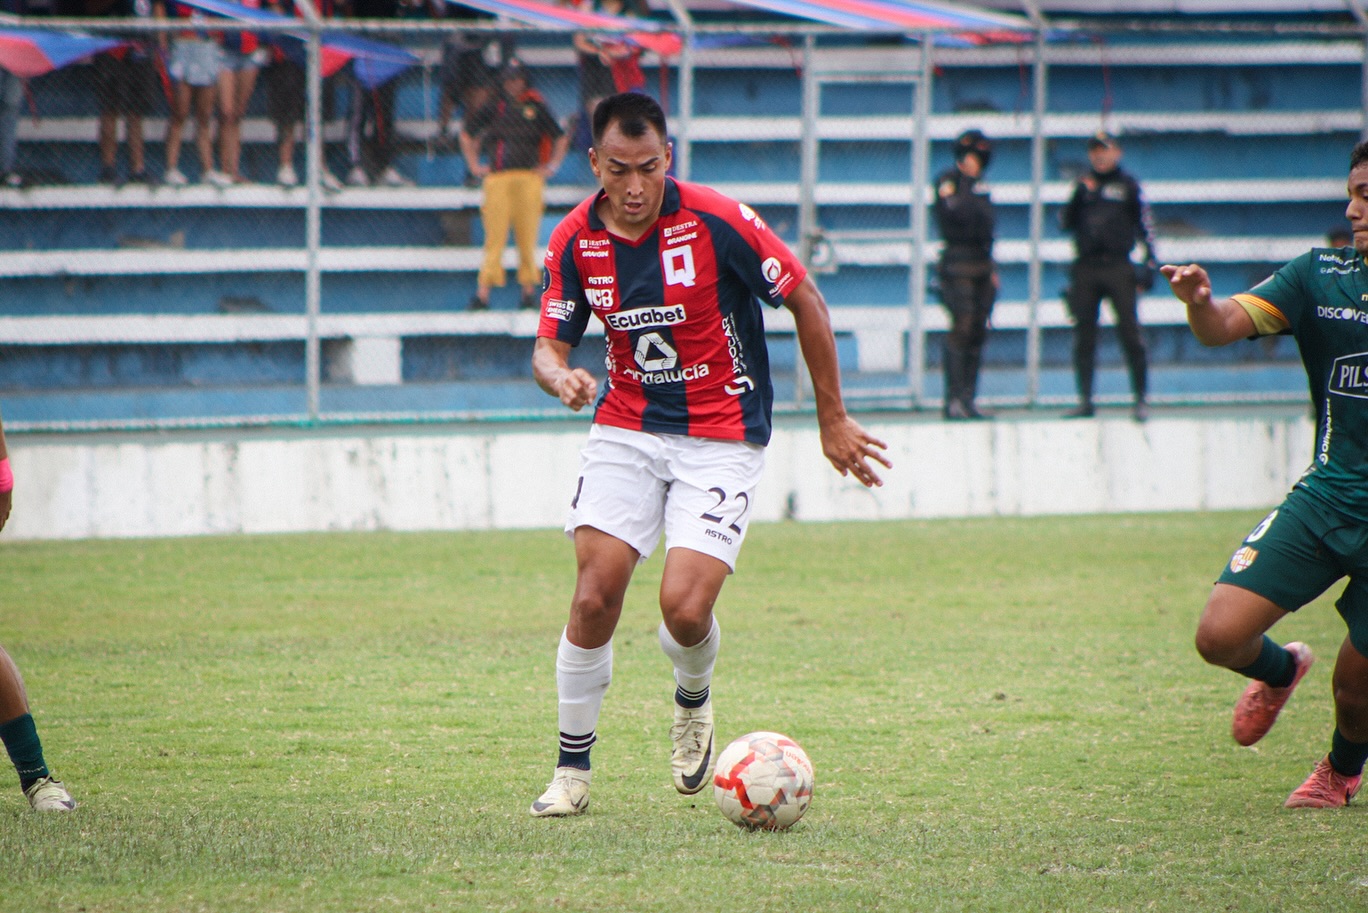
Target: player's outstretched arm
<point x="575" y="387"/>
<point x="846" y="445"/>
<point x="1215" y="322"/>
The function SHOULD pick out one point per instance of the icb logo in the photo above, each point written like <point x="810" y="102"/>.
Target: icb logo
<point x="771" y="269"/>
<point x="600" y="299"/>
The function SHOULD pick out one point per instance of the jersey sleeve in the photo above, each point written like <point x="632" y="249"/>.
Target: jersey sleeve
<point x="757" y="255"/>
<point x="1274" y="304"/>
<point x="565" y="311"/>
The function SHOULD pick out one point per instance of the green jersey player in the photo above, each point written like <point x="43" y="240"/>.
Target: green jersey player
<point x="1319" y="534"/>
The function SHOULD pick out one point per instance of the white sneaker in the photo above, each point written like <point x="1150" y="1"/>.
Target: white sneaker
<point x="330" y="180"/>
<point x="217" y="178"/>
<point x="49" y="795"/>
<point x="568" y="794"/>
<point x="286" y="176"/>
<point x="392" y="178"/>
<point x="175" y="178"/>
<point x="357" y="177"/>
<point x="692" y="739"/>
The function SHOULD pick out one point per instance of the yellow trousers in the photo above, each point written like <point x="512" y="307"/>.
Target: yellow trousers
<point x="512" y="199"/>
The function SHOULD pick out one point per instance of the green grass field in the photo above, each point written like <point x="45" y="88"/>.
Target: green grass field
<point x="1004" y="714"/>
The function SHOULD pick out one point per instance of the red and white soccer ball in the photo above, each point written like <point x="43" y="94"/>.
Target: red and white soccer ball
<point x="763" y="781"/>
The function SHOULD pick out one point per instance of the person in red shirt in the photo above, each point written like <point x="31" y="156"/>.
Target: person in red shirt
<point x="676" y="272"/>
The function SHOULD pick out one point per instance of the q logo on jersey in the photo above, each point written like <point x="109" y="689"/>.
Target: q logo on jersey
<point x="679" y="266"/>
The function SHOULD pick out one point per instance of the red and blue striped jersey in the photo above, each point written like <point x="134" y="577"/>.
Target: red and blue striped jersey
<point x="680" y="307"/>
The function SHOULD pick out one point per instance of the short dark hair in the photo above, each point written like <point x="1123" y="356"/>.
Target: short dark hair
<point x="1358" y="156"/>
<point x="634" y="114"/>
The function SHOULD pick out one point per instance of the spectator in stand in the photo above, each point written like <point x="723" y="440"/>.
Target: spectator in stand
<point x="11" y="97"/>
<point x="196" y="62"/>
<point x="370" y="127"/>
<point x="513" y="144"/>
<point x="286" y="95"/>
<point x="607" y="64"/>
<point x="243" y="55"/>
<point x="469" y="75"/>
<point x="11" y="100"/>
<point x="126" y="87"/>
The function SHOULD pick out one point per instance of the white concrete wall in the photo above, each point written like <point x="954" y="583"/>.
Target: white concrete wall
<point x="522" y="475"/>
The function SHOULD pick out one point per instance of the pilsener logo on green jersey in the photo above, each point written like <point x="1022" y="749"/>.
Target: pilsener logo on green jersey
<point x="1349" y="375"/>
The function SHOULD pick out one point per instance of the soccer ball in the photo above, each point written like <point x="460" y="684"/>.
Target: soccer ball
<point x="764" y="781"/>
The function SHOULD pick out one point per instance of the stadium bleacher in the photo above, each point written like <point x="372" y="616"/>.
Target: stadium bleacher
<point x="138" y="304"/>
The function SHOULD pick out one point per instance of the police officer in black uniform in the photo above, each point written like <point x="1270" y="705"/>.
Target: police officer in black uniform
<point x="968" y="278"/>
<point x="1107" y="215"/>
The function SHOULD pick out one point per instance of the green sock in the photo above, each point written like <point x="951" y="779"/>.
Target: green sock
<point x="1347" y="757"/>
<point x="20" y="736"/>
<point x="1275" y="665"/>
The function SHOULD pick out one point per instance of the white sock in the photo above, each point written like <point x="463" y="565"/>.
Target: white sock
<point x="693" y="666"/>
<point x="582" y="678"/>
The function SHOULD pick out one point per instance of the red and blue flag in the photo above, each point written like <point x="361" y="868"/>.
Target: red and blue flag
<point x="964" y="22"/>
<point x="375" y="62"/>
<point x="29" y="52"/>
<point x="645" y="33"/>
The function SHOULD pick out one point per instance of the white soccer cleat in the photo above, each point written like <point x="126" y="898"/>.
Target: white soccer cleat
<point x="568" y="794"/>
<point x="691" y="757"/>
<point x="49" y="795"/>
<point x="287" y="177"/>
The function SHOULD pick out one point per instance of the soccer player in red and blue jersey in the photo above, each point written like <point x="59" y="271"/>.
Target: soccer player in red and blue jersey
<point x="675" y="272"/>
<point x="1319" y="534"/>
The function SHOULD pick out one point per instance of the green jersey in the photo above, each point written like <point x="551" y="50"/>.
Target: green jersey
<point x="1321" y="298"/>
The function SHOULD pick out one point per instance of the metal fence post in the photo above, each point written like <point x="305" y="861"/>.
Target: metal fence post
<point x="1035" y="269"/>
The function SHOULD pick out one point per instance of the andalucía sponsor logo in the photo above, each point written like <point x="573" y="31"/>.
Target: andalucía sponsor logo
<point x="1349" y="375"/>
<point x="638" y="318"/>
<point x="1243" y="559"/>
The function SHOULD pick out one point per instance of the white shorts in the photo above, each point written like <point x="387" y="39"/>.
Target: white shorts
<point x="700" y="491"/>
<point x="195" y="61"/>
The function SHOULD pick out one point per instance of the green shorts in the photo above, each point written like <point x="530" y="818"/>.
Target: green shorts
<point x="1297" y="552"/>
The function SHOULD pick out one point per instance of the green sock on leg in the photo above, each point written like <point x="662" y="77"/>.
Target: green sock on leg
<point x="20" y="736"/>
<point x="1274" y="665"/>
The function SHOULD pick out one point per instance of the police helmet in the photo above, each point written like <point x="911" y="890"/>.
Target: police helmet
<point x="974" y="141"/>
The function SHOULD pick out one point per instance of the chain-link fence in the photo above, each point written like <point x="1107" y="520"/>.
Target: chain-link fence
<point x="205" y="225"/>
